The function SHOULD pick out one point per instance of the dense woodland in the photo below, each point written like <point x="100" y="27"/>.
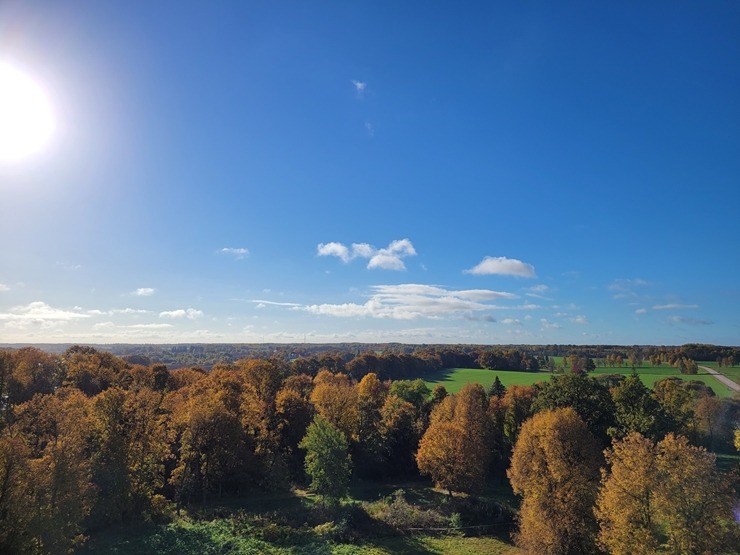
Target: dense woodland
<point x="89" y="439"/>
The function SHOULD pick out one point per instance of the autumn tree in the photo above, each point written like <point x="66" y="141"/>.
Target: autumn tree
<point x="626" y="508"/>
<point x="328" y="463"/>
<point x="367" y="450"/>
<point x="399" y="436"/>
<point x="455" y="449"/>
<point x="53" y="487"/>
<point x="669" y="494"/>
<point x="555" y="468"/>
<point x="692" y="499"/>
<point x="335" y="399"/>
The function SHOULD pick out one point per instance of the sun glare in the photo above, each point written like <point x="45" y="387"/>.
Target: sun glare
<point x="26" y="120"/>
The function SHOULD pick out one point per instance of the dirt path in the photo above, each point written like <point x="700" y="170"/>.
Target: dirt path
<point x="724" y="379"/>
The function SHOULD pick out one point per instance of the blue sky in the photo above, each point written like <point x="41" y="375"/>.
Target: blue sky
<point x="421" y="172"/>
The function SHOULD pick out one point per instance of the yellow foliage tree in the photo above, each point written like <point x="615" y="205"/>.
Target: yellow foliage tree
<point x="455" y="449"/>
<point x="555" y="467"/>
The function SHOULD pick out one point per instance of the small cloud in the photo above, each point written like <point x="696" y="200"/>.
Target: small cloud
<point x="237" y="252"/>
<point x="149" y="326"/>
<point x="389" y="258"/>
<point x="500" y="265"/>
<point x="4" y="288"/>
<point x="511" y="322"/>
<point x="144" y="292"/>
<point x="579" y="320"/>
<point x="674" y="306"/>
<point x="360" y="87"/>
<point x="190" y="313"/>
<point x="641" y="311"/>
<point x="370" y="128"/>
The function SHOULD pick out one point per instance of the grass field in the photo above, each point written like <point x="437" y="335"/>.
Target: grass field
<point x="455" y="378"/>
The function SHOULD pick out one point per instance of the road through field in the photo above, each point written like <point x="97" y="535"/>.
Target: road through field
<point x="724" y="379"/>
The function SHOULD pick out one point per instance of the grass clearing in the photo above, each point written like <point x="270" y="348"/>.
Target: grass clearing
<point x="378" y="520"/>
<point x="455" y="378"/>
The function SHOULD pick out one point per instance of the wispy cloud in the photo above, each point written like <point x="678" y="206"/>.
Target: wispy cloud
<point x="579" y="320"/>
<point x="688" y="321"/>
<point x="389" y="258"/>
<point x="144" y="292"/>
<point x="674" y="306"/>
<point x="413" y="301"/>
<point x="237" y="252"/>
<point x="370" y="128"/>
<point x="511" y="322"/>
<point x="189" y="313"/>
<point x="641" y="311"/>
<point x="4" y="288"/>
<point x="547" y="325"/>
<point x="624" y="288"/>
<point x="539" y="292"/>
<point x="500" y="265"/>
<point x="262" y="304"/>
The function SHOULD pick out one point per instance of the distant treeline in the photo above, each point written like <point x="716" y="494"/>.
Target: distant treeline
<point x="208" y="355"/>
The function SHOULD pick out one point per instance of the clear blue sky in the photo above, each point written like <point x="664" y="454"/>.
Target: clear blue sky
<point x="421" y="172"/>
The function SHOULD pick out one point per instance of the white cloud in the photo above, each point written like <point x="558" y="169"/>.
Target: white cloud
<point x="144" y="292"/>
<point x="389" y="258"/>
<point x="334" y="249"/>
<point x="579" y="320"/>
<point x="674" y="306"/>
<point x="236" y="252"/>
<point x="149" y="326"/>
<point x="511" y="322"/>
<point x="370" y="128"/>
<point x="4" y="288"/>
<point x="263" y="304"/>
<point x="500" y="265"/>
<point x="360" y="86"/>
<point x="190" y="313"/>
<point x="411" y="301"/>
<point x="641" y="311"/>
<point x="39" y="311"/>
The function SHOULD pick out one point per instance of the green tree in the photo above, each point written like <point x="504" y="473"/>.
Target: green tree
<point x="588" y="397"/>
<point x="328" y="463"/>
<point x="636" y="410"/>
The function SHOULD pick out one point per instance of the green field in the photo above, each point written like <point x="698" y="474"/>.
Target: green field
<point x="455" y="378"/>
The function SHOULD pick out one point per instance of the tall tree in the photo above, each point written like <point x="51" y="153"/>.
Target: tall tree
<point x="328" y="463"/>
<point x="455" y="449"/>
<point x="555" y="468"/>
<point x="626" y="508"/>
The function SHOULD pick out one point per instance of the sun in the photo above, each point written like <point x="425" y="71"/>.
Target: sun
<point x="26" y="118"/>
